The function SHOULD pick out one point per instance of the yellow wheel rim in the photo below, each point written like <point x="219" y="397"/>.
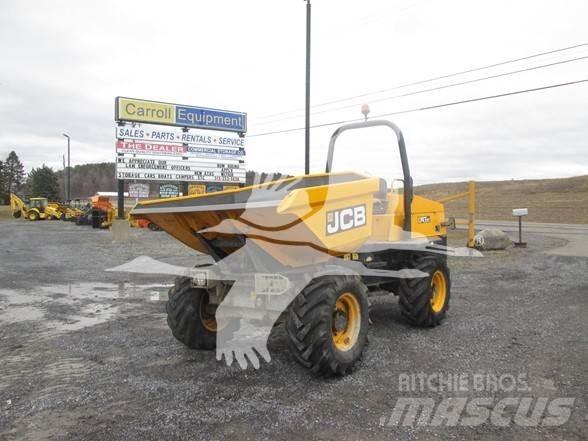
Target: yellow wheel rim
<point x="207" y="319"/>
<point x="439" y="285"/>
<point x="346" y="322"/>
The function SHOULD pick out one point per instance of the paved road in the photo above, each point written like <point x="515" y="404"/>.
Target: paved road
<point x="575" y="234"/>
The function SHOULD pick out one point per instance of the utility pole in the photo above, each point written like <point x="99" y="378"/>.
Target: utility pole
<point x="68" y="170"/>
<point x="307" y="107"/>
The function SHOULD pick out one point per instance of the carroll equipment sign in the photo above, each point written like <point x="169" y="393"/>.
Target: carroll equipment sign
<point x="155" y="112"/>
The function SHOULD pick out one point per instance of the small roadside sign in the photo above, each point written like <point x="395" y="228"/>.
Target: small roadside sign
<point x="194" y="189"/>
<point x="168" y="191"/>
<point x="139" y="190"/>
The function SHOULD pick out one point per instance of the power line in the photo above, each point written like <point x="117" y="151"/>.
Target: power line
<point x="446" y="86"/>
<point x="416" y="83"/>
<point x="435" y="106"/>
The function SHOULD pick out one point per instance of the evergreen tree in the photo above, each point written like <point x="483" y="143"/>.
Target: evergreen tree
<point x="13" y="174"/>
<point x="43" y="183"/>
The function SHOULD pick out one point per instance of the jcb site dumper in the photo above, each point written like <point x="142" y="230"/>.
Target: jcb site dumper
<point x="301" y="228"/>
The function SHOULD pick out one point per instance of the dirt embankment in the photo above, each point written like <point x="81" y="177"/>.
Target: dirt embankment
<point x="563" y="200"/>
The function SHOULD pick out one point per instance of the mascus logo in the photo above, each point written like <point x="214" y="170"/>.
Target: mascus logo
<point x="346" y="219"/>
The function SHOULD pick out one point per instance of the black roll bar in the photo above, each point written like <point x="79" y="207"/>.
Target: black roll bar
<point x="408" y="191"/>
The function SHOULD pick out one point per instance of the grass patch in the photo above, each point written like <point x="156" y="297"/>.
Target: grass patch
<point x="5" y="212"/>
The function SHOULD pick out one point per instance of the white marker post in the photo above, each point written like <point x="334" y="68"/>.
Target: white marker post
<point x="520" y="212"/>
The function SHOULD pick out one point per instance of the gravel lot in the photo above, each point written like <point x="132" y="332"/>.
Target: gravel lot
<point x="86" y="354"/>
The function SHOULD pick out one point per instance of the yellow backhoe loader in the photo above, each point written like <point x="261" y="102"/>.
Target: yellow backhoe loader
<point x="35" y="208"/>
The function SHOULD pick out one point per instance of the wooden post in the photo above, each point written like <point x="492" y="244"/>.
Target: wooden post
<point x="471" y="212"/>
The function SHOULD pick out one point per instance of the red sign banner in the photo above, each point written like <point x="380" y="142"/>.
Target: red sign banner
<point x="150" y="148"/>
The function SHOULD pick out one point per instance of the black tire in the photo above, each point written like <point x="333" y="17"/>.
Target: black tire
<point x="16" y="214"/>
<point x="33" y="216"/>
<point x="311" y="321"/>
<point x="185" y="315"/>
<point x="415" y="295"/>
<point x="153" y="227"/>
<point x="95" y="221"/>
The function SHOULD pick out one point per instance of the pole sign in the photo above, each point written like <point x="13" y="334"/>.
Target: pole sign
<point x="155" y="112"/>
<point x="168" y="191"/>
<point x="139" y="190"/>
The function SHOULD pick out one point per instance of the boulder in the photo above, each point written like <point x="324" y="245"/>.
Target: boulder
<point x="491" y="239"/>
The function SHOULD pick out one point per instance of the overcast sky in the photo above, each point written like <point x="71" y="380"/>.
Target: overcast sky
<point x="63" y="63"/>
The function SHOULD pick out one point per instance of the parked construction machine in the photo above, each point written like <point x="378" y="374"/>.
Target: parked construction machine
<point x="35" y="208"/>
<point x="74" y="209"/>
<point x="102" y="212"/>
<point x="315" y="247"/>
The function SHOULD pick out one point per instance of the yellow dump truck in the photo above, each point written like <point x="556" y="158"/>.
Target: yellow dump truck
<point x="316" y="246"/>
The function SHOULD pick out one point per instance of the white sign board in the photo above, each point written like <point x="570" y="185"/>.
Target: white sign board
<point x="164" y="134"/>
<point x="148" y="152"/>
<point x="139" y="190"/>
<point x="150" y="168"/>
<point x="520" y="212"/>
<point x="168" y="191"/>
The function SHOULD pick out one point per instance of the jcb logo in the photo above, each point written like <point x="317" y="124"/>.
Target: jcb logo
<point x="346" y="219"/>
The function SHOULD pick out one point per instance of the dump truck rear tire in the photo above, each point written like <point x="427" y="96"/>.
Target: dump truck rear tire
<point x="424" y="301"/>
<point x="186" y="315"/>
<point x="327" y="324"/>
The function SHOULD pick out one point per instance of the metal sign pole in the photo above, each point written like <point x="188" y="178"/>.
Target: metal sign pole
<point x="307" y="109"/>
<point x="121" y="198"/>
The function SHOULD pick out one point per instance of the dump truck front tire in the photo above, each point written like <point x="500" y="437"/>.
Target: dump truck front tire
<point x="424" y="301"/>
<point x="187" y="316"/>
<point x="327" y="324"/>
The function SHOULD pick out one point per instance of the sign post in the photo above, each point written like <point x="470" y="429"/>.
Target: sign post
<point x="121" y="199"/>
<point x="520" y="212"/>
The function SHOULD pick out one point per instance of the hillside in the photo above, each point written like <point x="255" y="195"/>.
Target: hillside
<point x="563" y="200"/>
